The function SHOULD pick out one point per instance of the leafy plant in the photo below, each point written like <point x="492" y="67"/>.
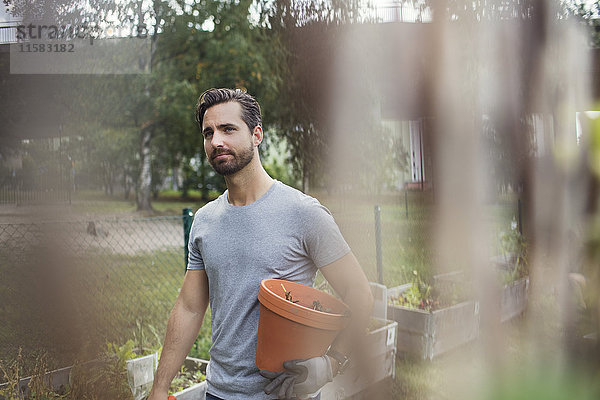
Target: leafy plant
<point x="418" y="296"/>
<point x="107" y="378"/>
<point x="186" y="378"/>
<point x="424" y="296"/>
<point x="143" y="341"/>
<point x="513" y="248"/>
<point x="12" y="374"/>
<point x="40" y="385"/>
<point x="111" y="374"/>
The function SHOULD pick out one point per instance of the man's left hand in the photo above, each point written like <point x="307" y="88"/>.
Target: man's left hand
<point x="301" y="378"/>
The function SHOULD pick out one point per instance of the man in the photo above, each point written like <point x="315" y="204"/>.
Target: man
<point x="258" y="228"/>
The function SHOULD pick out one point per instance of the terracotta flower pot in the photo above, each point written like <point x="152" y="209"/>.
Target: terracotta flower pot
<point x="294" y="330"/>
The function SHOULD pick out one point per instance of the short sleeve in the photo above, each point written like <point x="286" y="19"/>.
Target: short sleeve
<point x="195" y="260"/>
<point x="323" y="240"/>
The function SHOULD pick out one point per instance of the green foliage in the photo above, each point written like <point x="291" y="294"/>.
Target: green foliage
<point x="121" y="354"/>
<point x="513" y="247"/>
<point x="275" y="161"/>
<point x="11" y="375"/>
<point x="587" y="14"/>
<point x="112" y="372"/>
<point x="301" y="41"/>
<point x="146" y="344"/>
<point x="39" y="386"/>
<point x="511" y="241"/>
<point x="186" y="378"/>
<point x="196" y="45"/>
<point x="417" y="296"/>
<point x="106" y="378"/>
<point x="421" y="295"/>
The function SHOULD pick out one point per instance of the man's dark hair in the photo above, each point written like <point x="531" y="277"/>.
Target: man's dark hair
<point x="212" y="97"/>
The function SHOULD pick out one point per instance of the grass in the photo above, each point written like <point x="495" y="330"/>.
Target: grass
<point x="167" y="203"/>
<point x="71" y="306"/>
<point x="404" y="234"/>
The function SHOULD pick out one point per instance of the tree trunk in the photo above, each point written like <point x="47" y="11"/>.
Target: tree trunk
<point x="175" y="178"/>
<point x="144" y="187"/>
<point x="305" y="178"/>
<point x="127" y="183"/>
<point x="203" y="167"/>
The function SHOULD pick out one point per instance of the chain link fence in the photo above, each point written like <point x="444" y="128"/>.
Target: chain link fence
<point x="390" y="237"/>
<point x="71" y="286"/>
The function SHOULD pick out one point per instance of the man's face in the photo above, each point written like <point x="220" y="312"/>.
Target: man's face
<point x="227" y="140"/>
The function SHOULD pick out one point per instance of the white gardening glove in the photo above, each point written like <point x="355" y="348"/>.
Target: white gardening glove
<point x="301" y="378"/>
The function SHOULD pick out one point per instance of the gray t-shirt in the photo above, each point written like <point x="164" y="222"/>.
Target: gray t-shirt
<point x="286" y="235"/>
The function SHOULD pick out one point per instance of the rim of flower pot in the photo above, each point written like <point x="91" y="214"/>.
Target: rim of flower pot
<point x="271" y="295"/>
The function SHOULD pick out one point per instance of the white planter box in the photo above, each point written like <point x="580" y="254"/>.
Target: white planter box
<point x="197" y="391"/>
<point x="140" y="374"/>
<point x="428" y="334"/>
<point x="514" y="299"/>
<point x="379" y="293"/>
<point x="381" y="344"/>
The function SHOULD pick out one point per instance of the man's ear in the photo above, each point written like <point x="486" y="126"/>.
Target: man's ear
<point x="257" y="135"/>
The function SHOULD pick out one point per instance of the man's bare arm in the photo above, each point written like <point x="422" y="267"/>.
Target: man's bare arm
<point x="350" y="283"/>
<point x="182" y="329"/>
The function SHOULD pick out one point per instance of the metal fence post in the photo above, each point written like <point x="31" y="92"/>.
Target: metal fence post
<point x="188" y="217"/>
<point x="378" y="244"/>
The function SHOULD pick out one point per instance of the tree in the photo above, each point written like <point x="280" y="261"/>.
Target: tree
<point x="305" y="33"/>
<point x="233" y="52"/>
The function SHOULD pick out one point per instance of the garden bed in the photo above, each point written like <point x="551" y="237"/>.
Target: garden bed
<point x="512" y="269"/>
<point x="122" y="378"/>
<point x="140" y="374"/>
<point x="426" y="334"/>
<point x="191" y="384"/>
<point x="514" y="299"/>
<point x="57" y="381"/>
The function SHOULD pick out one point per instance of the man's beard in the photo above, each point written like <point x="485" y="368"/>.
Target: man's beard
<point x="239" y="161"/>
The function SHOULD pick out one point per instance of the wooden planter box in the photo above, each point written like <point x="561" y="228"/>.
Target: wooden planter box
<point x="140" y="374"/>
<point x="514" y="295"/>
<point x="514" y="299"/>
<point x="197" y="391"/>
<point x="379" y="293"/>
<point x="428" y="334"/>
<point x="381" y="345"/>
